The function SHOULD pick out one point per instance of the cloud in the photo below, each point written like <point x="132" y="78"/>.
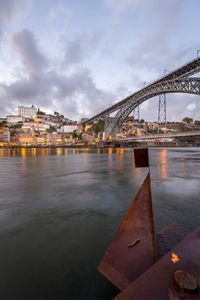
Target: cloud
<point x="9" y="11"/>
<point x="58" y="12"/>
<point x="154" y="51"/>
<point x="74" y="94"/>
<point x="176" y="105"/>
<point x="120" y="6"/>
<point x="25" y="45"/>
<point x="81" y="46"/>
<point x="191" y="106"/>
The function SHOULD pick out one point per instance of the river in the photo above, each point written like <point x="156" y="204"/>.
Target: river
<point x="59" y="210"/>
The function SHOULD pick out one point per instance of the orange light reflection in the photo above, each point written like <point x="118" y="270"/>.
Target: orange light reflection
<point x="164" y="163"/>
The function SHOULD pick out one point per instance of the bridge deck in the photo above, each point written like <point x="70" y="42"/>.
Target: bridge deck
<point x="159" y="136"/>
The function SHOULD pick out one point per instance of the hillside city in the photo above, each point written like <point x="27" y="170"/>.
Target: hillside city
<point x="35" y="128"/>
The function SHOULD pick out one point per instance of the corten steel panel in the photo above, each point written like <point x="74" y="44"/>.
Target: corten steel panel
<point x="169" y="237"/>
<point x="158" y="282"/>
<point x="141" y="158"/>
<point x="121" y="263"/>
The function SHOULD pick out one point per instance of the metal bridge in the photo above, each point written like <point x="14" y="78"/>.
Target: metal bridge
<point x="177" y="81"/>
<point x="160" y="136"/>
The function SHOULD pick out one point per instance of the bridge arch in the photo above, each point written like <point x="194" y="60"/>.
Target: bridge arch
<point x="179" y="85"/>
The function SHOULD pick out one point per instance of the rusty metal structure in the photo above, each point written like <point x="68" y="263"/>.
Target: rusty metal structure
<point x="177" y="81"/>
<point x="148" y="266"/>
<point x="160" y="281"/>
<point x="134" y="242"/>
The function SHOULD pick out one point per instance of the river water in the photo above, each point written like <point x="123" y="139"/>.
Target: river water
<point x="59" y="210"/>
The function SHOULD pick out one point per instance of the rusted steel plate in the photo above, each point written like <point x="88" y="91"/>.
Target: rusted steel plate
<point x="169" y="237"/>
<point x="141" y="158"/>
<point x="127" y="258"/>
<point x="159" y="282"/>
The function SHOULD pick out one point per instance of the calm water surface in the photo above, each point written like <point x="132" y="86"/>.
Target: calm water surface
<point x="59" y="209"/>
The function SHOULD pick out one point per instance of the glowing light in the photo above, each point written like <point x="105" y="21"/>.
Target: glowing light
<point x="175" y="258"/>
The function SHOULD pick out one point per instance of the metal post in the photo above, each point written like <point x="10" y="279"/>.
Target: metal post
<point x="136" y="113"/>
<point x="162" y="109"/>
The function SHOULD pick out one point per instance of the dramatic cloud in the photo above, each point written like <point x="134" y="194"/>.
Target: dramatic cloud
<point x="25" y="46"/>
<point x="75" y="94"/>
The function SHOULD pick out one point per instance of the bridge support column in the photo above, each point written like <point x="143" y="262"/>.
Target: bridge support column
<point x="162" y="110"/>
<point x="136" y="113"/>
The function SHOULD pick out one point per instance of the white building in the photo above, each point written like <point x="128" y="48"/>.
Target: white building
<point x="34" y="126"/>
<point x="15" y="119"/>
<point x="70" y="128"/>
<point x="27" y="112"/>
<point x="43" y="127"/>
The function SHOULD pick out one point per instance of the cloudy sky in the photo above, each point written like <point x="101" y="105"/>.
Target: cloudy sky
<point x="80" y="56"/>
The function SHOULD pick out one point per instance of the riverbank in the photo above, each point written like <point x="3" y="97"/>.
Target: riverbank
<point x="98" y="146"/>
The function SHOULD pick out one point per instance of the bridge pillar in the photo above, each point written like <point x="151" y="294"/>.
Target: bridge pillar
<point x="136" y="113"/>
<point x="162" y="109"/>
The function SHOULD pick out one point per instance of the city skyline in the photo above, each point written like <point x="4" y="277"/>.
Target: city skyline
<point x="79" y="57"/>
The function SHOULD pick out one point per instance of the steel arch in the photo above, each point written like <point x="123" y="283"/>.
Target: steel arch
<point x="190" y="68"/>
<point x="178" y="85"/>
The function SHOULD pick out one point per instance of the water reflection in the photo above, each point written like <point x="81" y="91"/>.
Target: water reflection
<point x="13" y="153"/>
<point x="23" y="152"/>
<point x="119" y="153"/>
<point x="110" y="157"/>
<point x="163" y="154"/>
<point x="59" y="151"/>
<point x="1" y="152"/>
<point x="182" y="163"/>
<point x="33" y="151"/>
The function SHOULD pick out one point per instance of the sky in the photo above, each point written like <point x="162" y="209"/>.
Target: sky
<point x="78" y="57"/>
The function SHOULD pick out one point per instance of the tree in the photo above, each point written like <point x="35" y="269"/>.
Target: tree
<point x="98" y="127"/>
<point x="74" y="135"/>
<point x="80" y="136"/>
<point x="197" y="123"/>
<point x="3" y="123"/>
<point x="184" y="139"/>
<point x="51" y="129"/>
<point x="187" y="120"/>
<point x="142" y="121"/>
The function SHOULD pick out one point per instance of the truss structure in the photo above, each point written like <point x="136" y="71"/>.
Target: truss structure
<point x="162" y="109"/>
<point x="174" y="82"/>
<point x="179" y="85"/>
<point x="136" y="113"/>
